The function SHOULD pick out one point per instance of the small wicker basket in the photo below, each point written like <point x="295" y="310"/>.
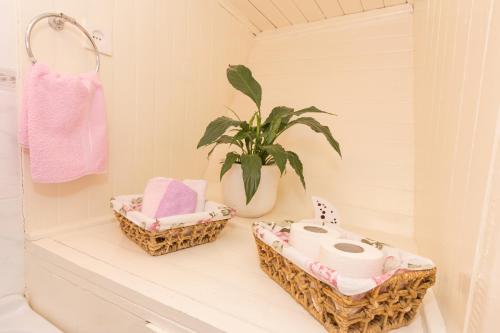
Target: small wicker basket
<point x="161" y="242"/>
<point x="390" y="305"/>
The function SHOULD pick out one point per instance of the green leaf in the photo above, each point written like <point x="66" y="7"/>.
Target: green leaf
<point x="279" y="155"/>
<point x="296" y="165"/>
<point x="243" y="133"/>
<point x="277" y="119"/>
<point x="231" y="158"/>
<point x="215" y="129"/>
<point x="241" y="79"/>
<point x="244" y="125"/>
<point x="311" y="109"/>
<point x="251" y="166"/>
<point x="318" y="128"/>
<point x="279" y="112"/>
<point x="225" y="139"/>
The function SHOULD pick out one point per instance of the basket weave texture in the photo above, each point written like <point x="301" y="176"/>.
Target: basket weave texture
<point x="161" y="242"/>
<point x="390" y="305"/>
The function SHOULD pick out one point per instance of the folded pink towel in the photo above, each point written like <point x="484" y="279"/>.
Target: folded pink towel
<point x="63" y="124"/>
<point x="200" y="187"/>
<point x="153" y="194"/>
<point x="178" y="199"/>
<point x="166" y="197"/>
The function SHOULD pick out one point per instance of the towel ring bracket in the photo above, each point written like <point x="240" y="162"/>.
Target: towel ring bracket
<point x="57" y="22"/>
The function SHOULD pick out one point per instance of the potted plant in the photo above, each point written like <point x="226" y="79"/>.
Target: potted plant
<point x="250" y="172"/>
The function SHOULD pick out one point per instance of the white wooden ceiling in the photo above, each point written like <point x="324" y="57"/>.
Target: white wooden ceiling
<point x="273" y="14"/>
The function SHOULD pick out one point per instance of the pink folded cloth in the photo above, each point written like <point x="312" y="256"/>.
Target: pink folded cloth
<point x="178" y="199"/>
<point x="153" y="194"/>
<point x="200" y="187"/>
<point x="166" y="197"/>
<point x="63" y="124"/>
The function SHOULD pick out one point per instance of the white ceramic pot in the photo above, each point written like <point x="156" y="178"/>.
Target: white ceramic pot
<point x="264" y="199"/>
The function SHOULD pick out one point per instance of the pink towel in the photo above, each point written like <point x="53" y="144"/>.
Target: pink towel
<point x="200" y="187"/>
<point x="153" y="194"/>
<point x="63" y="124"/>
<point x="178" y="199"/>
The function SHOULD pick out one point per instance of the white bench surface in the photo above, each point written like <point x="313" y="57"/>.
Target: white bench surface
<point x="214" y="287"/>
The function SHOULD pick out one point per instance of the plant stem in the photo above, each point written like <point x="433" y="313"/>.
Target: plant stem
<point x="257" y="131"/>
<point x="227" y="107"/>
<point x="247" y="144"/>
<point x="278" y="134"/>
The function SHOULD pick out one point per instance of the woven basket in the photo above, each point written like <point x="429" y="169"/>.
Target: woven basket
<point x="157" y="243"/>
<point x="390" y="305"/>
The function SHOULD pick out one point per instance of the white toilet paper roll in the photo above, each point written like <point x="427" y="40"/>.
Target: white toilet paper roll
<point x="307" y="237"/>
<point x="351" y="258"/>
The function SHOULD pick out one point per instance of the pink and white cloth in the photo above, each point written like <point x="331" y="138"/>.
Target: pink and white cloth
<point x="166" y="197"/>
<point x="153" y="194"/>
<point x="200" y="187"/>
<point x="63" y="124"/>
<point x="396" y="260"/>
<point x="130" y="206"/>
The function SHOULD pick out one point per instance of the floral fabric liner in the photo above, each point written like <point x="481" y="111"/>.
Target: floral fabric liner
<point x="130" y="206"/>
<point x="275" y="234"/>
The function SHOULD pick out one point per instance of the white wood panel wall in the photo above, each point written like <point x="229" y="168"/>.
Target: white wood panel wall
<point x="457" y="114"/>
<point x="484" y="295"/>
<point x="164" y="82"/>
<point x="359" y="67"/>
<point x="272" y="14"/>
<point x="11" y="231"/>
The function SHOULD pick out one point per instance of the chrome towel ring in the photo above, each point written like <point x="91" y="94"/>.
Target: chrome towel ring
<point x="56" y="21"/>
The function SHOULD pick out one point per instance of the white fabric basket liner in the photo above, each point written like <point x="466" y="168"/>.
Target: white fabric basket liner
<point x="130" y="206"/>
<point x="275" y="234"/>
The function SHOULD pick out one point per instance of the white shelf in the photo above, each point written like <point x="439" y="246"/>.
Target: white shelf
<point x="217" y="287"/>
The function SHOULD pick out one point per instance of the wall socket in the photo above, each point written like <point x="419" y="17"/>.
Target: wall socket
<point x="102" y="34"/>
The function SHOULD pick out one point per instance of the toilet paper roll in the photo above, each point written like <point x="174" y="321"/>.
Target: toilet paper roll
<point x="351" y="258"/>
<point x="307" y="237"/>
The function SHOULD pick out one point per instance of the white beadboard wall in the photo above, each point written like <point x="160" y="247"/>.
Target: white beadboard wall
<point x="11" y="223"/>
<point x="359" y="67"/>
<point x="484" y="296"/>
<point x="457" y="135"/>
<point x="163" y="83"/>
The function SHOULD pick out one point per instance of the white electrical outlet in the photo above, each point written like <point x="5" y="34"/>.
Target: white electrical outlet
<point x="102" y="35"/>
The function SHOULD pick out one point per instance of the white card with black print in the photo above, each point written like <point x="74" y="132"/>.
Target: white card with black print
<point x="324" y="211"/>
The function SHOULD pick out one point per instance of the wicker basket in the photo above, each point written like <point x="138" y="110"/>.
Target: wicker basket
<point x="161" y="242"/>
<point x="391" y="305"/>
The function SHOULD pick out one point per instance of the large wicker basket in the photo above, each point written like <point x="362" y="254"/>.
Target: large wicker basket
<point x="391" y="305"/>
<point x="161" y="242"/>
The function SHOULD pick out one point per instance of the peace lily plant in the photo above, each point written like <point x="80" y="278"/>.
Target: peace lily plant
<point x="254" y="142"/>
